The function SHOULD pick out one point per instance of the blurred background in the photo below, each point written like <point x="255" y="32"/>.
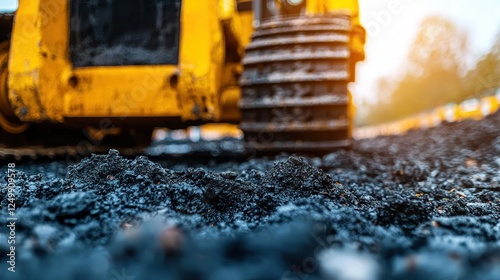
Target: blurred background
<point x="8" y="5"/>
<point x="421" y="55"/>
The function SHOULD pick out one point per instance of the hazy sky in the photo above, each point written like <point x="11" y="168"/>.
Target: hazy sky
<point x="8" y="5"/>
<point x="392" y="26"/>
<point x="390" y="37"/>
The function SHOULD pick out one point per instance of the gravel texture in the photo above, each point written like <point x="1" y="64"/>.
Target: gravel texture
<point x="425" y="205"/>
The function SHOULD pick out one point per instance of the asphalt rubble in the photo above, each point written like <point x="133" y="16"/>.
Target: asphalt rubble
<point x="425" y="205"/>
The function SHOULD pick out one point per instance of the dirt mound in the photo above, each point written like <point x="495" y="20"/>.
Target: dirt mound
<point x="418" y="206"/>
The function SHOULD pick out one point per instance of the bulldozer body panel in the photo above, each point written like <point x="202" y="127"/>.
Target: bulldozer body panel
<point x="177" y="62"/>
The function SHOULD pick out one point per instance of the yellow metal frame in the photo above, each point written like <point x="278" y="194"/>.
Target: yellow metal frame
<point x="44" y="86"/>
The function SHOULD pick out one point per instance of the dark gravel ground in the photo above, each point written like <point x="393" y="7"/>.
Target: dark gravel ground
<point x="425" y="205"/>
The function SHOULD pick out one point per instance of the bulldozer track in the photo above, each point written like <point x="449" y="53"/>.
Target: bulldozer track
<point x="71" y="152"/>
<point x="294" y="85"/>
<point x="42" y="141"/>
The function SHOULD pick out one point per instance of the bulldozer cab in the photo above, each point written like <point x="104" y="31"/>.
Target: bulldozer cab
<point x="268" y="9"/>
<point x="272" y="9"/>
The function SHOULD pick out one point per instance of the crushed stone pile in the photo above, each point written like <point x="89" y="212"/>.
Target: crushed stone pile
<point x="425" y="205"/>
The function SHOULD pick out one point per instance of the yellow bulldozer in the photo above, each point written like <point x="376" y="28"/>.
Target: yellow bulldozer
<point x="278" y="68"/>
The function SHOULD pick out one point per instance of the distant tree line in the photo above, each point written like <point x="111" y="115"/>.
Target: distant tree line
<point x="435" y="74"/>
